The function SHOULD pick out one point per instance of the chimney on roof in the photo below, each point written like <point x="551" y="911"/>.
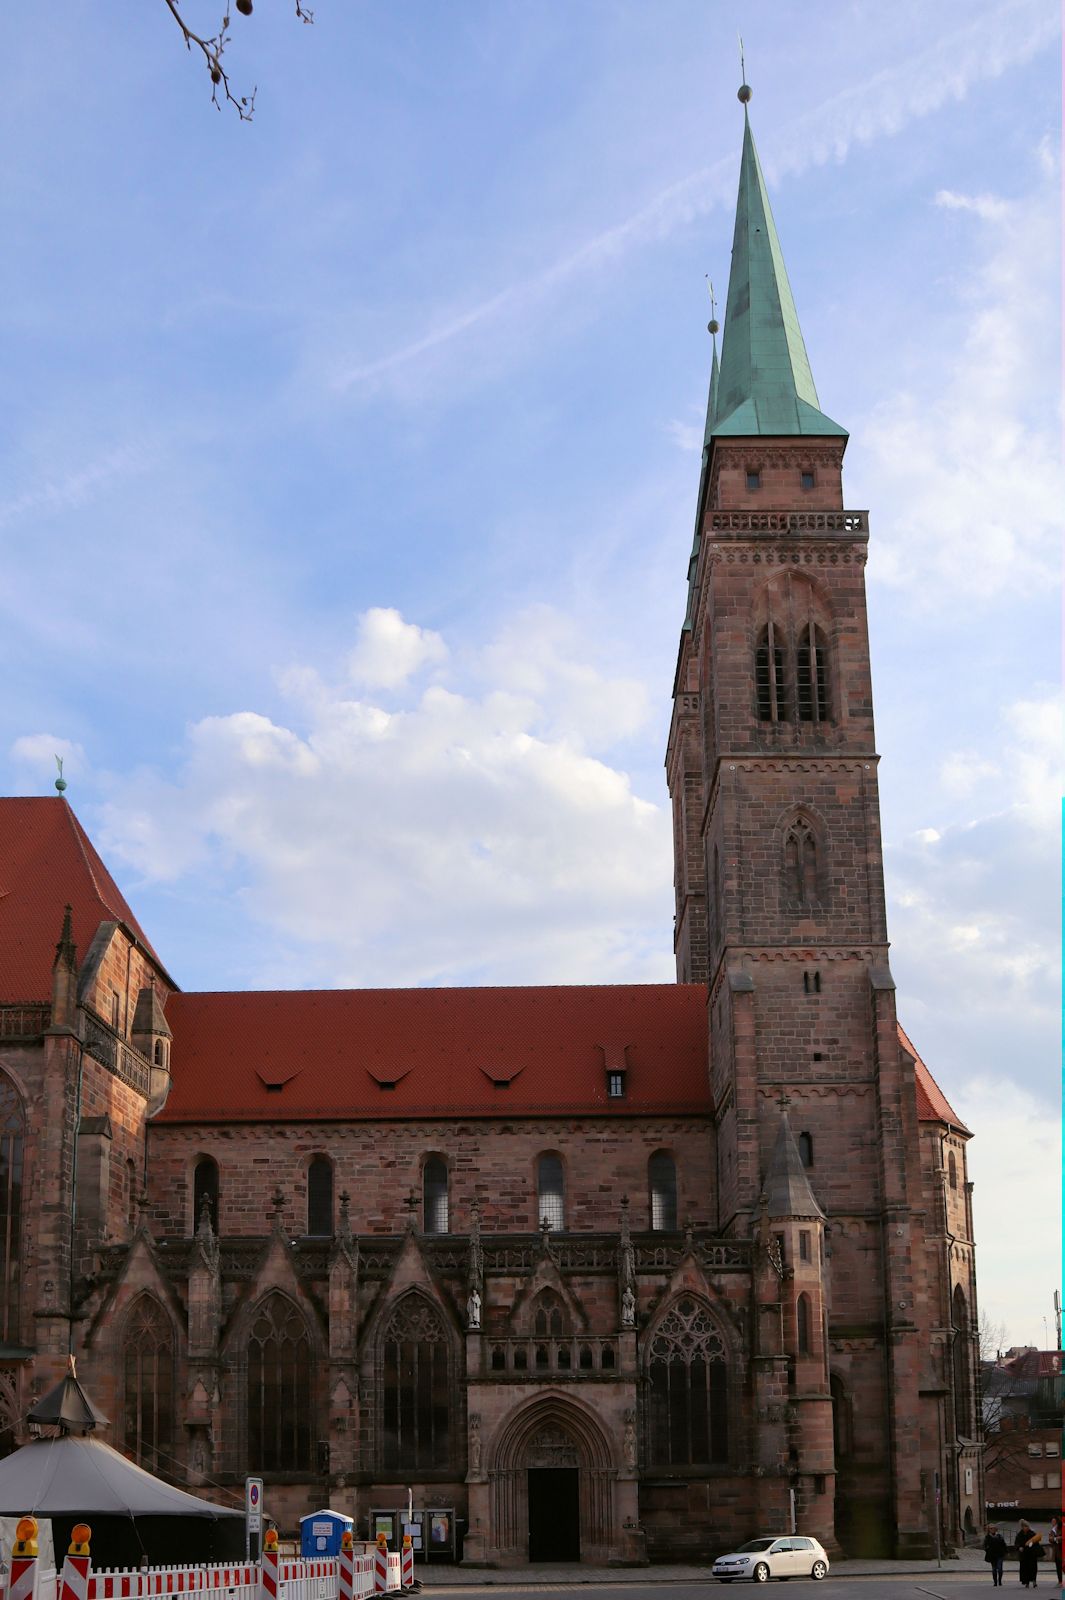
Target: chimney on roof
<point x="65" y="978"/>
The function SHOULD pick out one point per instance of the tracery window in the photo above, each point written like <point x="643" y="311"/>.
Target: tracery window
<point x="10" y="1411"/>
<point x="149" y="1385"/>
<point x="12" y="1147"/>
<point x="434" y="1195"/>
<point x="687" y="1403"/>
<point x="415" y="1388"/>
<point x="550" y="1192"/>
<point x="662" y="1183"/>
<point x="280" y="1411"/>
<point x="800" y="864"/>
<point x="205" y="1187"/>
<point x="320" y="1197"/>
<point x="550" y="1316"/>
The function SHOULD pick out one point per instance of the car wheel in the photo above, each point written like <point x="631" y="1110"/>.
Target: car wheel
<point x="819" y="1570"/>
<point x="761" y="1573"/>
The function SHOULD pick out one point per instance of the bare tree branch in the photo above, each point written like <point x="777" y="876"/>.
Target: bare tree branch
<point x="212" y="48"/>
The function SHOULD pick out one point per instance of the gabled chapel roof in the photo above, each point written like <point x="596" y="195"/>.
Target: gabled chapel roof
<point x="932" y="1103"/>
<point x="365" y="1054"/>
<point x="47" y="861"/>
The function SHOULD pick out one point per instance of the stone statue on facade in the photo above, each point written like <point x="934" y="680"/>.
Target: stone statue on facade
<point x="473" y="1310"/>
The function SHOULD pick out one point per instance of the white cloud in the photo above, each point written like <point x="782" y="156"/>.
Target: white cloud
<point x="37" y="752"/>
<point x="388" y="650"/>
<point x="72" y="490"/>
<point x="460" y="836"/>
<point x="969" y="478"/>
<point x="686" y="436"/>
<point x="1015" y="1165"/>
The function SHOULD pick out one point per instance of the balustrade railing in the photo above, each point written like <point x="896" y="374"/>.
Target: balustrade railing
<point x="24" y="1022"/>
<point x="105" y="1046"/>
<point x="830" y="522"/>
<point x="552" y="1354"/>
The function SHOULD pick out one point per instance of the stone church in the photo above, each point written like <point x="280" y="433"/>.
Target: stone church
<point x="606" y="1274"/>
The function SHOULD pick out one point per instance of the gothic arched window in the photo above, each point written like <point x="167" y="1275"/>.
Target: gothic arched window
<point x="811" y="675"/>
<point x="687" y="1402"/>
<point x="952" y="1170"/>
<point x="149" y="1385"/>
<point x="800" y="864"/>
<point x="770" y="683"/>
<point x="806" y="1149"/>
<point x="962" y="1362"/>
<point x="549" y="1318"/>
<point x="415" y="1389"/>
<point x="551" y="1192"/>
<point x="320" y="1197"/>
<point x="280" y="1409"/>
<point x="12" y="1145"/>
<point x="802" y="1324"/>
<point x="842" y="1441"/>
<point x="434" y="1195"/>
<point x="662" y="1183"/>
<point x="205" y="1187"/>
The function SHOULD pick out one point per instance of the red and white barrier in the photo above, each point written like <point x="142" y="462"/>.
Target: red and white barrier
<point x="22" y="1579"/>
<point x="407" y="1562"/>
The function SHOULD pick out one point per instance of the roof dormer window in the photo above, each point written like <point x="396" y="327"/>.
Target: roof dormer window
<point x="615" y="1085"/>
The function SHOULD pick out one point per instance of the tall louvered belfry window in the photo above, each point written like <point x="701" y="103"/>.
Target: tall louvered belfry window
<point x="551" y="1193"/>
<point x="769" y="675"/>
<point x="415" y="1389"/>
<point x="811" y="675"/>
<point x="434" y="1195"/>
<point x="148" y="1400"/>
<point x="687" y="1412"/>
<point x="279" y="1366"/>
<point x="12" y="1143"/>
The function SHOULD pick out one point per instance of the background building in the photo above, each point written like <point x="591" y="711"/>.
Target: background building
<point x="607" y="1272"/>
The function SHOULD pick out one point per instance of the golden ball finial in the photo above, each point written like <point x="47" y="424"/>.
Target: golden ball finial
<point x="713" y="325"/>
<point x="743" y="93"/>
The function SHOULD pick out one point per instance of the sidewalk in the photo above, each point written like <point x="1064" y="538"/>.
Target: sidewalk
<point x="541" y="1572"/>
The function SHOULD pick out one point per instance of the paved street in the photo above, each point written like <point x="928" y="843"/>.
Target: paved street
<point x="945" y="1585"/>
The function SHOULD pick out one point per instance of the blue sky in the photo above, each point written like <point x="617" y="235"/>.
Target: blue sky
<point x="348" y="475"/>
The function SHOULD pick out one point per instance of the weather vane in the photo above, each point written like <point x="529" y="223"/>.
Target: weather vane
<point x="713" y="325"/>
<point x="744" y="90"/>
<point x="60" y="782"/>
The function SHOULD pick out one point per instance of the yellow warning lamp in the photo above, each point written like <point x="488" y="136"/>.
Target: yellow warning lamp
<point x="270" y="1542"/>
<point x="382" y="1541"/>
<point x="25" y="1537"/>
<point x="407" y="1541"/>
<point x="346" y="1540"/>
<point x="80" y="1534"/>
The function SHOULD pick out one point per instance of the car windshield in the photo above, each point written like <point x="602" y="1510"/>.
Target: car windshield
<point x="757" y="1544"/>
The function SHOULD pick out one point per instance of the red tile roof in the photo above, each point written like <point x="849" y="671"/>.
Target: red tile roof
<point x="46" y="862"/>
<point x="448" y="1052"/>
<point x="932" y="1103"/>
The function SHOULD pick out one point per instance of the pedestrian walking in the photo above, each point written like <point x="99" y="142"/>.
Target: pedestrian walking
<point x="1027" y="1545"/>
<point x="1055" y="1544"/>
<point x="995" y="1548"/>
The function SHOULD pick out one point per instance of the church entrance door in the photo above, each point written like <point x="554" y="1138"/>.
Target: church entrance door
<point x="554" y="1514"/>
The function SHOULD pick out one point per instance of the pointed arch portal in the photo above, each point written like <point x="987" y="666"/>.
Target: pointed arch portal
<point x="551" y="1485"/>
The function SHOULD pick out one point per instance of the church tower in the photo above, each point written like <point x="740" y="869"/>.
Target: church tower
<point x="772" y="771"/>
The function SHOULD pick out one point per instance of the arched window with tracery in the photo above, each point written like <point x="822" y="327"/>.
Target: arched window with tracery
<point x="10" y="1411"/>
<point x="148" y="1398"/>
<point x="415" y="1389"/>
<point x="205" y="1189"/>
<point x="662" y="1183"/>
<point x="770" y="680"/>
<point x="434" y="1195"/>
<point x="12" y="1150"/>
<point x="962" y="1362"/>
<point x="280" y="1371"/>
<point x="549" y="1316"/>
<point x="320" y="1197"/>
<point x="811" y="675"/>
<point x="687" y="1382"/>
<point x="551" y="1192"/>
<point x="800" y="864"/>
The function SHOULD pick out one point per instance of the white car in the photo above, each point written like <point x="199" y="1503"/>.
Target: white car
<point x="762" y="1559"/>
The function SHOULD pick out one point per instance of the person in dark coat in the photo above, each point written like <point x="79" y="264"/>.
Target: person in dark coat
<point x="995" y="1548"/>
<point x="1027" y="1545"/>
<point x="1055" y="1544"/>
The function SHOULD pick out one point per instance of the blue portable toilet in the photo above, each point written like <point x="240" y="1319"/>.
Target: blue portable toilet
<point x="322" y="1531"/>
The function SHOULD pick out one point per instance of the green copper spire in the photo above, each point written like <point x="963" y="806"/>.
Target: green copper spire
<point x="765" y="384"/>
